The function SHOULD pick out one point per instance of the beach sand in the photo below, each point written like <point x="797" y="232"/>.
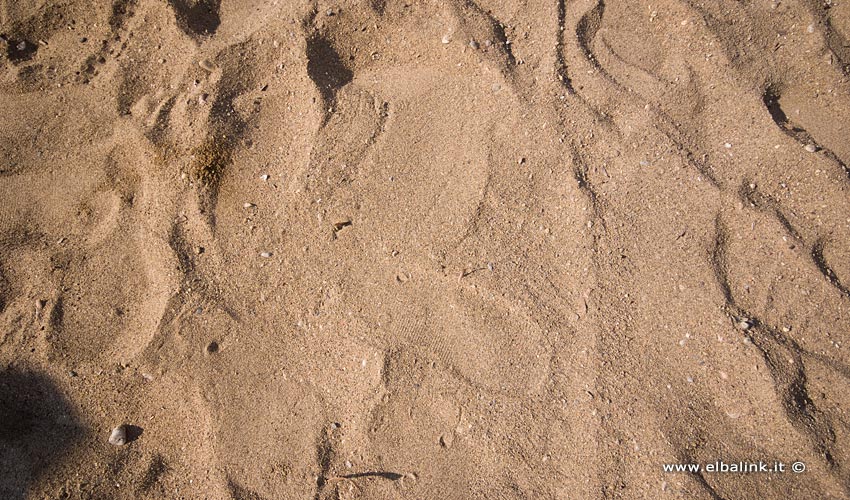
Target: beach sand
<point x="424" y="249"/>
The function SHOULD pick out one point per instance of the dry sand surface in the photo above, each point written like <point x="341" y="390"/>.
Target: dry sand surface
<point x="424" y="249"/>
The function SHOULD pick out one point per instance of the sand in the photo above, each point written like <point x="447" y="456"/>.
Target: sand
<point x="425" y="249"/>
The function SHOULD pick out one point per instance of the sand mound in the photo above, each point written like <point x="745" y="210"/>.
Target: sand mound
<point x="425" y="249"/>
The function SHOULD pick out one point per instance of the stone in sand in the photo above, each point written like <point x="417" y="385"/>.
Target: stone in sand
<point x="206" y="65"/>
<point x="118" y="437"/>
<point x="745" y="324"/>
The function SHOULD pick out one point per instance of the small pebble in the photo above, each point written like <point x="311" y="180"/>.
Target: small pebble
<point x="212" y="347"/>
<point x="745" y="324"/>
<point x="447" y="38"/>
<point x="248" y="205"/>
<point x="264" y="177"/>
<point x="265" y="255"/>
<point x="811" y="148"/>
<point x="22" y="46"/>
<point x="118" y="437"/>
<point x="473" y="44"/>
<point x="206" y="65"/>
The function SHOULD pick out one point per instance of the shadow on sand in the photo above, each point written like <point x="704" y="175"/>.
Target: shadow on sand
<point x="37" y="427"/>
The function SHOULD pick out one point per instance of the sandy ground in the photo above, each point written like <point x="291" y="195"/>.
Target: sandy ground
<point x="424" y="249"/>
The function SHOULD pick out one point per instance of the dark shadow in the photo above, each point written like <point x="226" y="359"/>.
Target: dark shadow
<point x="197" y="17"/>
<point x="238" y="492"/>
<point x="392" y="476"/>
<point x="586" y="30"/>
<point x="5" y="291"/>
<point x="325" y="68"/>
<point x="121" y="11"/>
<point x="134" y="432"/>
<point x="156" y="469"/>
<point x="19" y="51"/>
<point x="823" y="267"/>
<point x="771" y="101"/>
<point x="37" y="427"/>
<point x="379" y="6"/>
